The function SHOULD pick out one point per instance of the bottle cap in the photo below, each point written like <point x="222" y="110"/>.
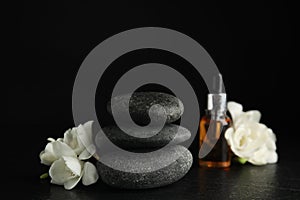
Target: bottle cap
<point x="217" y="99"/>
<point x="217" y="102"/>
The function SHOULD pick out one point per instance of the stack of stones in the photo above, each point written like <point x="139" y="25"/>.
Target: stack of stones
<point x="178" y="159"/>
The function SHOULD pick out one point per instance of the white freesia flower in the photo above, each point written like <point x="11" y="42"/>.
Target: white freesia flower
<point x="65" y="156"/>
<point x="68" y="171"/>
<point x="55" y="150"/>
<point x="80" y="140"/>
<point x="249" y="139"/>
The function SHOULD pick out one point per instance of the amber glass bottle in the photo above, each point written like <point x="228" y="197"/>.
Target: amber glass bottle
<point x="213" y="126"/>
<point x="219" y="156"/>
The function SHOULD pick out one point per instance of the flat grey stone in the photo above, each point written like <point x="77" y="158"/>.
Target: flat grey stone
<point x="169" y="132"/>
<point x="141" y="102"/>
<point x="136" y="171"/>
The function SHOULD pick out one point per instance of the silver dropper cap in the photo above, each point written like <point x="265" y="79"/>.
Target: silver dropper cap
<point x="216" y="101"/>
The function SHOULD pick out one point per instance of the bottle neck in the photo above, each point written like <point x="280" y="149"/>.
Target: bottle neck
<point x="216" y="115"/>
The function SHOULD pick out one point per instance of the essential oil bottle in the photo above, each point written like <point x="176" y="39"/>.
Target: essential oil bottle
<point x="214" y="150"/>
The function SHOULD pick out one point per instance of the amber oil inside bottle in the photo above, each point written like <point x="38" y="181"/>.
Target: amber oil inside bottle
<point x="220" y="155"/>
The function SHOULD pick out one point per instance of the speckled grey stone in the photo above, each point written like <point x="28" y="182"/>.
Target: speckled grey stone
<point x="140" y="103"/>
<point x="126" y="141"/>
<point x="139" y="174"/>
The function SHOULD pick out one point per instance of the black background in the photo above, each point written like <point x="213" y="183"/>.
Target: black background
<point x="253" y="45"/>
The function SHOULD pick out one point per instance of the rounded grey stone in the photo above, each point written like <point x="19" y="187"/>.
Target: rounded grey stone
<point x="169" y="132"/>
<point x="138" y="174"/>
<point x="141" y="102"/>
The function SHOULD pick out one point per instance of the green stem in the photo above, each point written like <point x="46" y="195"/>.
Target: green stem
<point x="240" y="160"/>
<point x="44" y="175"/>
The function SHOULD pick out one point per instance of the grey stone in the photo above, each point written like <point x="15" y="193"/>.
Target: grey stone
<point x="136" y="171"/>
<point x="141" y="102"/>
<point x="169" y="132"/>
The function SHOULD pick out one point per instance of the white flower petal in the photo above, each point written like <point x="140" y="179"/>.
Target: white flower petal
<point x="54" y="182"/>
<point x="70" y="138"/>
<point x="85" y="138"/>
<point x="50" y="139"/>
<point x="271" y="134"/>
<point x="90" y="174"/>
<point x="273" y="157"/>
<point x="259" y="157"/>
<point x="47" y="158"/>
<point x="73" y="164"/>
<point x="58" y="172"/>
<point x="264" y="156"/>
<point x="55" y="150"/>
<point x="235" y="109"/>
<point x="81" y="134"/>
<point x="253" y="115"/>
<point x="66" y="171"/>
<point x="85" y="155"/>
<point x="239" y="137"/>
<point x="84" y="135"/>
<point x="88" y="128"/>
<point x="228" y="135"/>
<point x="61" y="149"/>
<point x="270" y="142"/>
<point x="70" y="184"/>
<point x="79" y="138"/>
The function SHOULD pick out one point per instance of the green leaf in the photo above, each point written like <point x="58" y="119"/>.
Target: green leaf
<point x="240" y="160"/>
<point x="43" y="176"/>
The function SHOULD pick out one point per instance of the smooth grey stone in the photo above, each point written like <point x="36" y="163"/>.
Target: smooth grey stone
<point x="135" y="172"/>
<point x="141" y="102"/>
<point x="168" y="133"/>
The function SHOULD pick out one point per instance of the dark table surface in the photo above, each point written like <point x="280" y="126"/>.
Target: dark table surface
<point x="275" y="181"/>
